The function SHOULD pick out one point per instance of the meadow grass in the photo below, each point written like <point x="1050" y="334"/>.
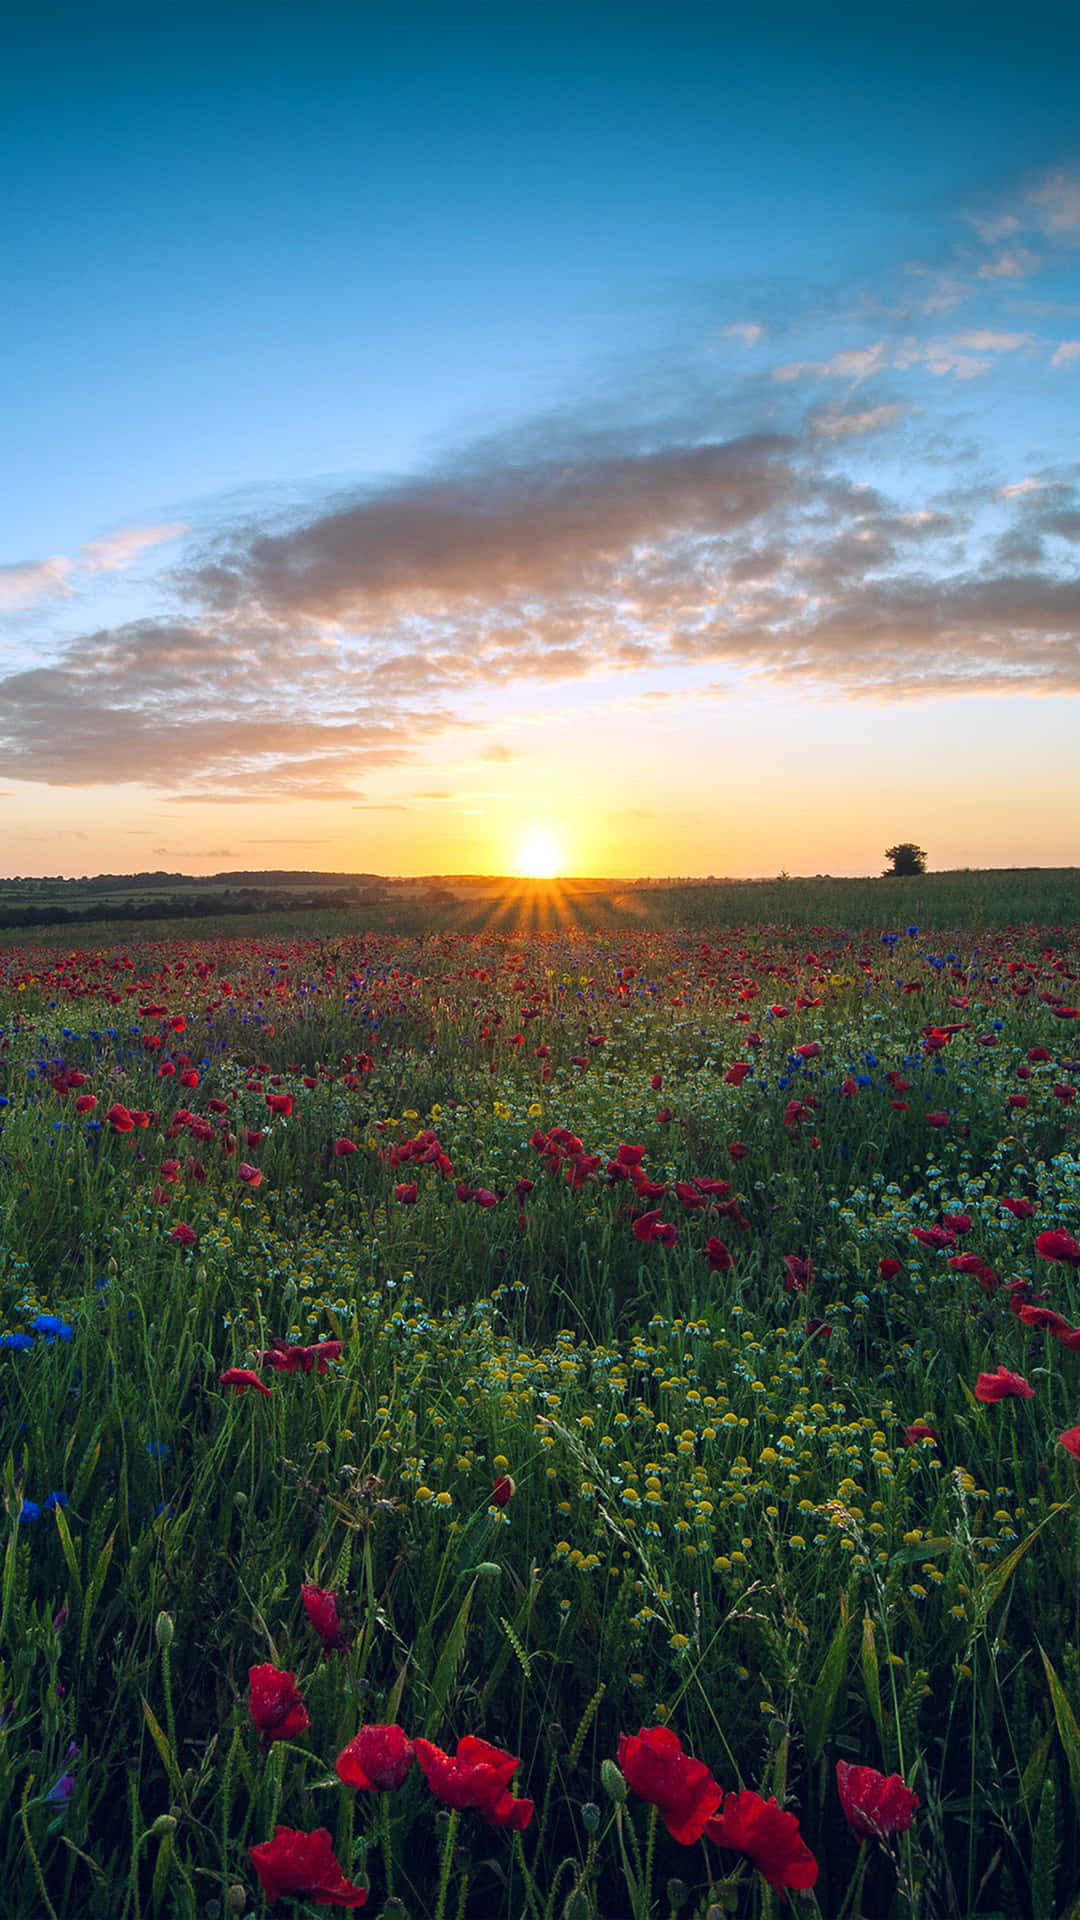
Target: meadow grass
<point x="720" y="1520"/>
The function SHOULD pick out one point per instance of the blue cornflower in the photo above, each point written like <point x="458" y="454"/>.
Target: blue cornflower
<point x="57" y="1499"/>
<point x="51" y="1326"/>
<point x="18" y="1342"/>
<point x="911" y="932"/>
<point x="29" y="1511"/>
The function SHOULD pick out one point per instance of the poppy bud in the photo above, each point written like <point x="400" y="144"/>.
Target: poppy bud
<point x="613" y="1782"/>
<point x="164" y="1630"/>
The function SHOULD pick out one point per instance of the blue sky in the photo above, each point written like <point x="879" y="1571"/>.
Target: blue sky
<point x="391" y="399"/>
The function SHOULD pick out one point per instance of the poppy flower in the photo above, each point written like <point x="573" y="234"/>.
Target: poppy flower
<point x="936" y="1237"/>
<point x="242" y="1378"/>
<point x="251" y="1176"/>
<point x="322" y="1610"/>
<point x="718" y="1256"/>
<point x="651" y="1227"/>
<point x="657" y="1083"/>
<point x="875" y="1804"/>
<point x="918" y="1431"/>
<point x="656" y="1768"/>
<point x="1023" y="1209"/>
<point x="768" y="1836"/>
<point x="1071" y="1441"/>
<point x="1058" y="1245"/>
<point x="630" y="1156"/>
<point x="937" y="1119"/>
<point x="503" y="1491"/>
<point x="476" y="1778"/>
<point x="343" y="1148"/>
<point x="277" y="1707"/>
<point x="737" y="1151"/>
<point x="483" y="1197"/>
<point x="808" y="1051"/>
<point x="185" y="1235"/>
<point x="304" y="1864"/>
<point x="1003" y="1385"/>
<point x="735" y="1075"/>
<point x="280" y="1103"/>
<point x="1045" y="1319"/>
<point x="85" y="1103"/>
<point x="406" y="1192"/>
<point x="376" y="1758"/>
<point x="888" y="1269"/>
<point x="119" y="1118"/>
<point x="799" y="1273"/>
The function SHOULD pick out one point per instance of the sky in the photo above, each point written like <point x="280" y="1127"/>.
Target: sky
<point x="634" y="441"/>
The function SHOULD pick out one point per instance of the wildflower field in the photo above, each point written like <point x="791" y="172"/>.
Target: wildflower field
<point x="560" y="1425"/>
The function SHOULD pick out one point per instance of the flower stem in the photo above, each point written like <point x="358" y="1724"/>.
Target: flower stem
<point x="448" y="1854"/>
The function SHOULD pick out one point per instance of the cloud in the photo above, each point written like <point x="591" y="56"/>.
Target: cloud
<point x="750" y="332"/>
<point x="304" y="654"/>
<point x="117" y="550"/>
<point x="1066" y="354"/>
<point x="31" y="582"/>
<point x="852" y="426"/>
<point x="1015" y="265"/>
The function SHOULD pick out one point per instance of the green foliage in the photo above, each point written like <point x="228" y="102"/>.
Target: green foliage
<point x="717" y="1520"/>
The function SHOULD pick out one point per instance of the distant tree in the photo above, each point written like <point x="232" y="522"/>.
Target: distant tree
<point x="906" y="858"/>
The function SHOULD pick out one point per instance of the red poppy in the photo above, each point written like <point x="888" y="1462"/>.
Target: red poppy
<point x="304" y="1864"/>
<point x="322" y="1610"/>
<point x="406" y="1192"/>
<point x="651" y="1227"/>
<point x="1045" y="1319"/>
<point x="85" y="1103"/>
<point x="1071" y="1441"/>
<point x="1023" y="1209"/>
<point x="799" y="1273"/>
<point x="477" y="1778"/>
<point x="657" y="1769"/>
<point x="875" y="1804"/>
<point x="888" y="1269"/>
<point x="918" y="1431"/>
<point x="768" y="1836"/>
<point x="241" y="1378"/>
<point x="937" y="1119"/>
<point x="378" y="1758"/>
<point x="343" y="1148"/>
<point x="251" y="1176"/>
<point x="277" y="1707"/>
<point x="503" y="1491"/>
<point x="808" y="1051"/>
<point x="185" y="1235"/>
<point x="657" y="1083"/>
<point x="718" y="1256"/>
<point x="119" y="1118"/>
<point x="737" y="1151"/>
<point x="1003" y="1385"/>
<point x="280" y="1103"/>
<point x="850" y="1087"/>
<point x="628" y="1156"/>
<point x="936" y="1237"/>
<point x="483" y="1197"/>
<point x="1058" y="1245"/>
<point x="737" y="1074"/>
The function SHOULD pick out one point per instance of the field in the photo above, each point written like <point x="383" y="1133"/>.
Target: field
<point x="535" y="1326"/>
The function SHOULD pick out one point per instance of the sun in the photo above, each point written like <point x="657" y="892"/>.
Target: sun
<point x="539" y="857"/>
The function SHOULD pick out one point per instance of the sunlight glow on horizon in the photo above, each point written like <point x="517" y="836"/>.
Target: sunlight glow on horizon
<point x="539" y="857"/>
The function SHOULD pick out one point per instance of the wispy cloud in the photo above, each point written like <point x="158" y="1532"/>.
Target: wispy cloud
<point x="117" y="550"/>
<point x="30" y="583"/>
